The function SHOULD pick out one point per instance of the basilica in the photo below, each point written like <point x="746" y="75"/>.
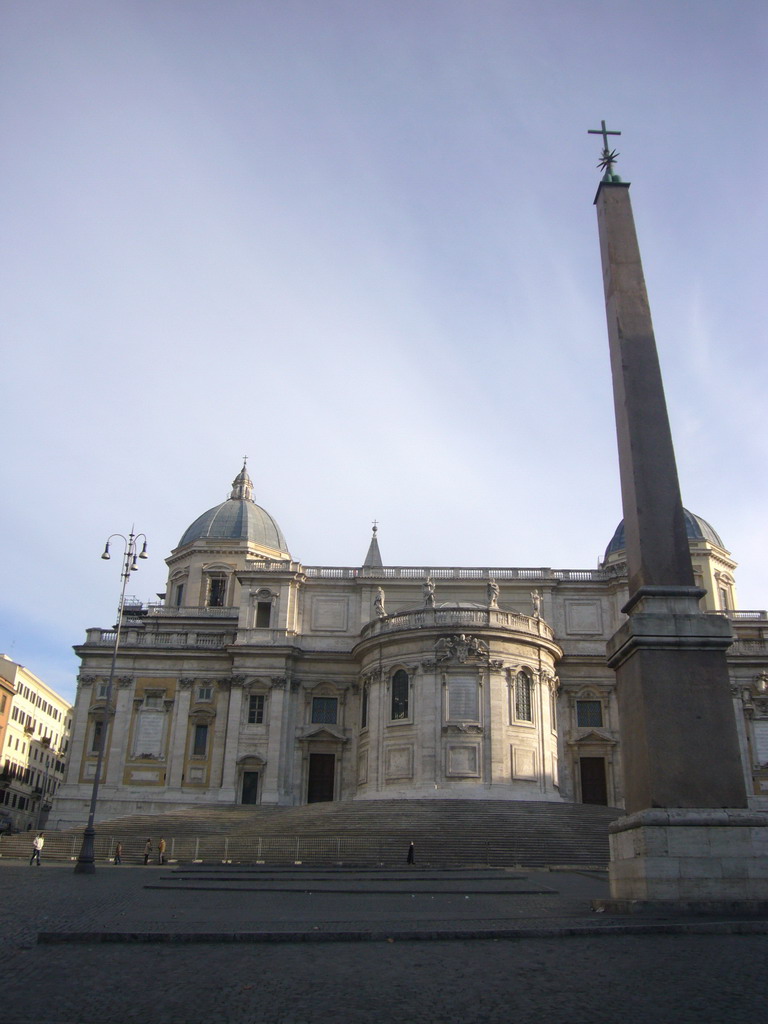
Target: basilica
<point x="260" y="680"/>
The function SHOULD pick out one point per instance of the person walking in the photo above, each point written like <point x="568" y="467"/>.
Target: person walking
<point x="147" y="851"/>
<point x="119" y="853"/>
<point x="411" y="858"/>
<point x="37" y="848"/>
<point x="161" y="848"/>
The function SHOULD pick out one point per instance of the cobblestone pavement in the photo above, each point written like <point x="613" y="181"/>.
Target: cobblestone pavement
<point x="637" y="979"/>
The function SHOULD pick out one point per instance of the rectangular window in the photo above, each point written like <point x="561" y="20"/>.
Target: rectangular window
<point x="216" y="590"/>
<point x="263" y="614"/>
<point x="205" y="693"/>
<point x="256" y="709"/>
<point x="200" y="742"/>
<point x="324" y="710"/>
<point x="178" y="596"/>
<point x="399" y="695"/>
<point x="97" y="727"/>
<point x="589" y="713"/>
<point x="3" y="699"/>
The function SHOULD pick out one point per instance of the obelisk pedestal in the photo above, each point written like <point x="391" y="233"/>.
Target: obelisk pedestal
<point x="688" y="834"/>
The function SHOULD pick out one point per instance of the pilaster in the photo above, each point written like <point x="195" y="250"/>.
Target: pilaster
<point x="121" y="727"/>
<point x="270" y="787"/>
<point x="178" y="738"/>
<point x="80" y="727"/>
<point x="226" y="793"/>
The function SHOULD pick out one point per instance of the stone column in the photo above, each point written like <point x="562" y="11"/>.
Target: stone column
<point x="678" y="733"/>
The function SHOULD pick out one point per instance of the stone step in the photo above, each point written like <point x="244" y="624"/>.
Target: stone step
<point x="446" y="833"/>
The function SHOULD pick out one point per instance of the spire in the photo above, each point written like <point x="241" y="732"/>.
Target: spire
<point x="242" y="485"/>
<point x="373" y="558"/>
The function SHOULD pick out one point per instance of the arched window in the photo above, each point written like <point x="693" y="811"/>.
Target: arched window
<point x="399" y="695"/>
<point x="523" y="704"/>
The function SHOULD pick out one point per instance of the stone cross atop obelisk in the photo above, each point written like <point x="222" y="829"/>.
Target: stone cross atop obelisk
<point x="679" y="745"/>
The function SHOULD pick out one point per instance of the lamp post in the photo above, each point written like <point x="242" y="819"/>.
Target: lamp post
<point x="86" y="862"/>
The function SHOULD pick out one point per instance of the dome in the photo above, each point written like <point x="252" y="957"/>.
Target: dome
<point x="696" y="528"/>
<point x="238" y="518"/>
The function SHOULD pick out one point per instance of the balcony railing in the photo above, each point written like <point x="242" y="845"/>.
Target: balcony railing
<point x="186" y="612"/>
<point x="459" y="618"/>
<point x="409" y="572"/>
<point x="139" y="638"/>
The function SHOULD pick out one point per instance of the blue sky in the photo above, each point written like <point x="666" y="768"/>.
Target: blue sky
<point x="356" y="241"/>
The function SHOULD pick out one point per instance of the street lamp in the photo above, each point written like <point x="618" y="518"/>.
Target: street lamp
<point x="86" y="862"/>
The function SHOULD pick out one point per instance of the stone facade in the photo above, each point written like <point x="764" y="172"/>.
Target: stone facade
<point x="35" y="725"/>
<point x="261" y="680"/>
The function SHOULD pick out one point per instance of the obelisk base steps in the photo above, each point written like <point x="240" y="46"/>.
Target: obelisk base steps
<point x="689" y="854"/>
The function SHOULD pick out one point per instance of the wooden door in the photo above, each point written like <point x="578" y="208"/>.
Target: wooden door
<point x="322" y="769"/>
<point x="250" y="788"/>
<point x="594" y="788"/>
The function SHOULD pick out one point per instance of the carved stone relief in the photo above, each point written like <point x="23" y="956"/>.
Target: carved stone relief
<point x="460" y="647"/>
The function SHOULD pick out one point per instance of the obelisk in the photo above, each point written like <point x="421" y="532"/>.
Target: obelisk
<point x="684" y="781"/>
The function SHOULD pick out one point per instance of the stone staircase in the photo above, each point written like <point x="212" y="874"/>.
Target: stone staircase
<point x="446" y="834"/>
